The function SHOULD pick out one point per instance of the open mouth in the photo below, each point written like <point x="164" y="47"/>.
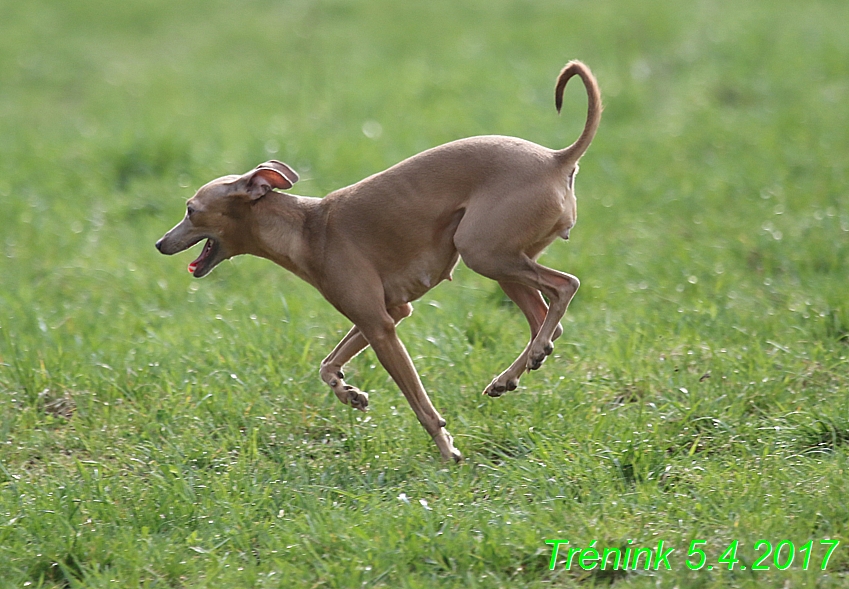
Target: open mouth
<point x="205" y="261"/>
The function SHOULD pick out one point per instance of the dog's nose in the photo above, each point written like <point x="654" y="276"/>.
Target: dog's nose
<point x="159" y="245"/>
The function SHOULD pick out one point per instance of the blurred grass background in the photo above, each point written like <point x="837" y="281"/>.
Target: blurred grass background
<point x="160" y="431"/>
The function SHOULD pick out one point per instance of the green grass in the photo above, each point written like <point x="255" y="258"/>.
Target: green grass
<point x="157" y="431"/>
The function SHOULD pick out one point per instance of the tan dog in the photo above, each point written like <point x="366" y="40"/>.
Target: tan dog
<point x="373" y="247"/>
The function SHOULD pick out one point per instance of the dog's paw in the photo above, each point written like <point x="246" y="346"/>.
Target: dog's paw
<point x="501" y="385"/>
<point x="536" y="358"/>
<point x="347" y="394"/>
<point x="445" y="443"/>
<point x="356" y="398"/>
<point x="535" y="362"/>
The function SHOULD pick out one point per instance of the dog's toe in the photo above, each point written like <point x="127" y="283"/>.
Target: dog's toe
<point x="351" y="395"/>
<point x="499" y="386"/>
<point x="494" y="389"/>
<point x="357" y="398"/>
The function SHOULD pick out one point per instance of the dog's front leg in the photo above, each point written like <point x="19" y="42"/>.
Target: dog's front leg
<point x="351" y="345"/>
<point x="331" y="369"/>
<point x="380" y="333"/>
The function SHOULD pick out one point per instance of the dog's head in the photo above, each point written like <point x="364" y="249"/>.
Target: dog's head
<point x="217" y="212"/>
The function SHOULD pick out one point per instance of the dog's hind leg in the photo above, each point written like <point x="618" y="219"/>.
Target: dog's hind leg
<point x="506" y="266"/>
<point x="531" y="303"/>
<point x="351" y="345"/>
<point x="559" y="288"/>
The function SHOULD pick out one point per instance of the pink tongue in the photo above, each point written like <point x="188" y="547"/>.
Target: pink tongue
<point x="193" y="265"/>
<point x="204" y="253"/>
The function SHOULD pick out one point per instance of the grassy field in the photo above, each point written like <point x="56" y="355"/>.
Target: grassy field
<point x="159" y="431"/>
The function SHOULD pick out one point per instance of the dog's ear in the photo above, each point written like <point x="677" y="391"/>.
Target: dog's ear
<point x="284" y="169"/>
<point x="268" y="176"/>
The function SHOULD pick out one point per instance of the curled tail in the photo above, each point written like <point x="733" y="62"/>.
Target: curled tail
<point x="574" y="152"/>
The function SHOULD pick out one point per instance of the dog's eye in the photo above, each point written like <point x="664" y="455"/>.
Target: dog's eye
<point x="190" y="210"/>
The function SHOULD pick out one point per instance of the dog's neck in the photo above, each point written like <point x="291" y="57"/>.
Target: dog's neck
<point x="281" y="232"/>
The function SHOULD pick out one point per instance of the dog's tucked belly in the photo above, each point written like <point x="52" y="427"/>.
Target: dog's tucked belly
<point x="418" y="277"/>
<point x="420" y="261"/>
